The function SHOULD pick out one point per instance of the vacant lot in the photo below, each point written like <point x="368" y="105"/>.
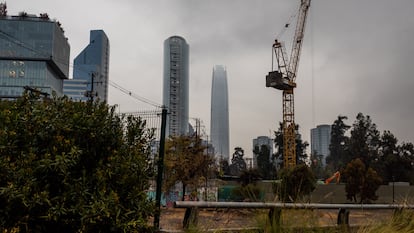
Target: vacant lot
<point x="171" y="219"/>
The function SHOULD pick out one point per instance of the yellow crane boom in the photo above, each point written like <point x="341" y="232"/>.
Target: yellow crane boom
<point x="284" y="79"/>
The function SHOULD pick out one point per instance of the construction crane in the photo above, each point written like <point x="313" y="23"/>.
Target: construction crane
<point x="284" y="79"/>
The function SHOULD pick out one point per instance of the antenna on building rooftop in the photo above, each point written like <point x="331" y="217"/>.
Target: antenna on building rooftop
<point x="3" y="9"/>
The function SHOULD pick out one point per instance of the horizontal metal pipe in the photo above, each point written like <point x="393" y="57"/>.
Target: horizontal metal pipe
<point x="268" y="205"/>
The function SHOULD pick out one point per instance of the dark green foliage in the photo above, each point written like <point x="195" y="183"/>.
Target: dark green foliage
<point x="392" y="161"/>
<point x="248" y="192"/>
<point x="295" y="183"/>
<point x="361" y="181"/>
<point x="224" y="168"/>
<point x="72" y="167"/>
<point x="265" y="163"/>
<point x="249" y="176"/>
<point x="316" y="166"/>
<point x="238" y="165"/>
<point x="395" y="161"/>
<point x="339" y="145"/>
<point x="406" y="153"/>
<point x="364" y="141"/>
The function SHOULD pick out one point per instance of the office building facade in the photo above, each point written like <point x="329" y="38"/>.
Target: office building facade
<point x="176" y="85"/>
<point x="258" y="143"/>
<point x="320" y="141"/>
<point x="219" y="130"/>
<point x="34" y="54"/>
<point x="90" y="70"/>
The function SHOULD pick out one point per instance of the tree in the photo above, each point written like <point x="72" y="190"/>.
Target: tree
<point x="248" y="189"/>
<point x="406" y="152"/>
<point x="72" y="167"/>
<point x="364" y="141"/>
<point x="266" y="167"/>
<point x="339" y="143"/>
<point x="395" y="160"/>
<point x="295" y="183"/>
<point x="316" y="165"/>
<point x="186" y="161"/>
<point x="301" y="146"/>
<point x="224" y="167"/>
<point x="361" y="181"/>
<point x="238" y="165"/>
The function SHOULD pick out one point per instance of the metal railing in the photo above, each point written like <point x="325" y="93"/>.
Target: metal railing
<point x="275" y="208"/>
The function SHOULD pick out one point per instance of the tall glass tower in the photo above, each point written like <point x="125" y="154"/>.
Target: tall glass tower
<point x="320" y="141"/>
<point x="90" y="70"/>
<point x="219" y="131"/>
<point x="34" y="54"/>
<point x="175" y="87"/>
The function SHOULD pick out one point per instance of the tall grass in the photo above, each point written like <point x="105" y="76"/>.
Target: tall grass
<point x="307" y="221"/>
<point x="401" y="222"/>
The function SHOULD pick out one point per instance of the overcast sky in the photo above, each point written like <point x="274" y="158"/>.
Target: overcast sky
<point x="358" y="56"/>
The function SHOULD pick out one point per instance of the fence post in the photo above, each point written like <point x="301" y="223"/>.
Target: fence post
<point x="190" y="217"/>
<point x="274" y="217"/>
<point x="343" y="217"/>
<point x="160" y="169"/>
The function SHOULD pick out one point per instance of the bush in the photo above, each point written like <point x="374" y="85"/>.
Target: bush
<point x="72" y="167"/>
<point x="295" y="183"/>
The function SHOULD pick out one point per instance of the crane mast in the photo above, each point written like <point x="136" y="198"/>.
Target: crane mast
<point x="284" y="79"/>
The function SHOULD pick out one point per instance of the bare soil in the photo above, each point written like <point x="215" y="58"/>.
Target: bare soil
<point x="208" y="219"/>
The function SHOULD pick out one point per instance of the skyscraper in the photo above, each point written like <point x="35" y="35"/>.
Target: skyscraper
<point x="219" y="131"/>
<point x="320" y="141"/>
<point x="175" y="87"/>
<point x="90" y="70"/>
<point x="34" y="53"/>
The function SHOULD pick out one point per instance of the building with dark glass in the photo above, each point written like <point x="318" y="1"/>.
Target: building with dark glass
<point x="90" y="70"/>
<point x="219" y="130"/>
<point x="34" y="54"/>
<point x="258" y="144"/>
<point x="320" y="141"/>
<point x="176" y="85"/>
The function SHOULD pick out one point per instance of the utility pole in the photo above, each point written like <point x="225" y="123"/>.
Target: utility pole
<point x="160" y="169"/>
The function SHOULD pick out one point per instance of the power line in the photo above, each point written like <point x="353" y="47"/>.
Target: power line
<point x="133" y="95"/>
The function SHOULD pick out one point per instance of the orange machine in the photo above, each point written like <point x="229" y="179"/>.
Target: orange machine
<point x="336" y="175"/>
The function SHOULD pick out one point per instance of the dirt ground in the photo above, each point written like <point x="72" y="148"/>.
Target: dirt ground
<point x="172" y="219"/>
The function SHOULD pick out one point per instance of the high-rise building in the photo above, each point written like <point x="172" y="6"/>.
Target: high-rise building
<point x="34" y="54"/>
<point x="259" y="142"/>
<point x="219" y="131"/>
<point x="90" y="70"/>
<point x="320" y="141"/>
<point x="176" y="84"/>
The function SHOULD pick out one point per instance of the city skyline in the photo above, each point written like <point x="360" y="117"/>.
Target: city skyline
<point x="348" y="64"/>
